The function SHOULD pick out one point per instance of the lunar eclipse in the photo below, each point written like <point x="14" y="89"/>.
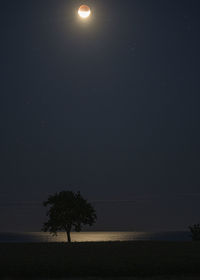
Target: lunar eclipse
<point x="84" y="11"/>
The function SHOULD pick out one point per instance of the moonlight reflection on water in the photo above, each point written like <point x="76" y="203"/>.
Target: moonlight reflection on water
<point x="101" y="236"/>
<point x="89" y="236"/>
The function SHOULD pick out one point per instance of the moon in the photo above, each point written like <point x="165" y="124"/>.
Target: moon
<point x="84" y="11"/>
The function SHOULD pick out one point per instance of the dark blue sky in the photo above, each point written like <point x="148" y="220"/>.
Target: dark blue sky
<point x="109" y="107"/>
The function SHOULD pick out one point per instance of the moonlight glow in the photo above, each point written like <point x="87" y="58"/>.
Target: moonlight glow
<point x="84" y="11"/>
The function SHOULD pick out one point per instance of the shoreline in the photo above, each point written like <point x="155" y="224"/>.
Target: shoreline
<point x="95" y="236"/>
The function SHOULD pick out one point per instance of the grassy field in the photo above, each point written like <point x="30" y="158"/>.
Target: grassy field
<point x="100" y="259"/>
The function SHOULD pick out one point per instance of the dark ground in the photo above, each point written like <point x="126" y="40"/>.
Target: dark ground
<point x="114" y="259"/>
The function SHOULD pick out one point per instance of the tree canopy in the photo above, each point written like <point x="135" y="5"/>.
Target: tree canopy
<point x="195" y="231"/>
<point x="68" y="211"/>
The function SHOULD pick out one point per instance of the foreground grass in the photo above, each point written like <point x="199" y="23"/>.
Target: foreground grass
<point x="99" y="259"/>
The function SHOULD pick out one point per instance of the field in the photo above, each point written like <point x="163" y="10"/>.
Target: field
<point x="121" y="259"/>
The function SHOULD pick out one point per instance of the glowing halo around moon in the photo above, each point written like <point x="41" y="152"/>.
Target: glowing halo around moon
<point x="84" y="11"/>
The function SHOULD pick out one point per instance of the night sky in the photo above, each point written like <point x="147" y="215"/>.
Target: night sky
<point x="108" y="106"/>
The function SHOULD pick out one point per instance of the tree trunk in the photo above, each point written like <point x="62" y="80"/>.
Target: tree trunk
<point x="68" y="237"/>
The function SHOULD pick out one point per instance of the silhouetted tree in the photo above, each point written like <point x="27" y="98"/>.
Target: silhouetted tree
<point x="195" y="230"/>
<point x="68" y="210"/>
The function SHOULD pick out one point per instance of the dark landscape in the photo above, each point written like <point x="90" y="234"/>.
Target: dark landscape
<point x="99" y="136"/>
<point x="111" y="259"/>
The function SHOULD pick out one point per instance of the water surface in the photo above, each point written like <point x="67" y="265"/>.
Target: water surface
<point x="98" y="236"/>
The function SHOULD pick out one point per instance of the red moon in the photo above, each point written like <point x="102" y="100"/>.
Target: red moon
<point x="84" y="11"/>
